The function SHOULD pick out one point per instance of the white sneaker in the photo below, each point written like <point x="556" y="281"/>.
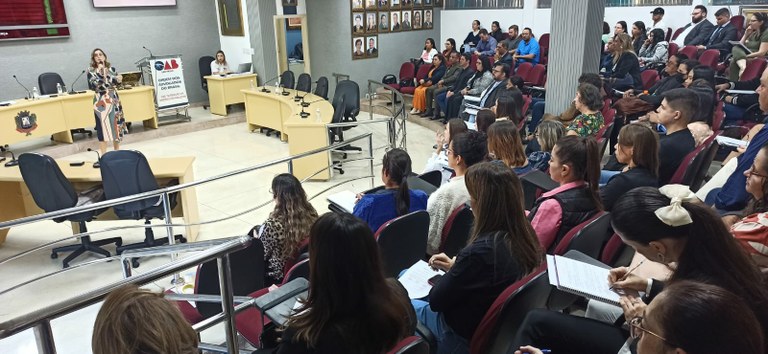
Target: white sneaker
<point x="414" y="111"/>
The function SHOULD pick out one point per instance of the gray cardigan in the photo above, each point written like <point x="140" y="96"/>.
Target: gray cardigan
<point x="478" y="85"/>
<point x="655" y="54"/>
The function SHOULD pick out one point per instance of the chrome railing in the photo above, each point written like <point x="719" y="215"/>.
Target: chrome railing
<point x="395" y="107"/>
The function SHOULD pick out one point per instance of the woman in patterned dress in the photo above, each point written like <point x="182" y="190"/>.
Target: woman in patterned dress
<point x="102" y="79"/>
<point x="589" y="102"/>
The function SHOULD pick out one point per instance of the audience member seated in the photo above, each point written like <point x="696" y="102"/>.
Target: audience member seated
<point x="547" y="134"/>
<point x="675" y="72"/>
<point x="450" y="47"/>
<point x="676" y="318"/>
<point x="752" y="230"/>
<point x="638" y="35"/>
<point x="654" y="50"/>
<point x="487" y="44"/>
<point x="488" y="96"/>
<point x="429" y="51"/>
<point x="485" y="117"/>
<point x="620" y="28"/>
<point x="464" y="151"/>
<point x="287" y="226"/>
<point x="698" y="31"/>
<point x="665" y="226"/>
<point x="624" y="71"/>
<point x="755" y="39"/>
<point x="538" y="105"/>
<point x="508" y="106"/>
<point x="435" y="75"/>
<point x="501" y="249"/>
<point x="473" y="37"/>
<point x="722" y="35"/>
<point x="575" y="166"/>
<point x="528" y="49"/>
<point x="465" y="74"/>
<point x="516" y="82"/>
<point x="702" y="81"/>
<point x="588" y="102"/>
<point x="452" y="73"/>
<point x="351" y="307"/>
<point x="503" y="55"/>
<point x="513" y="39"/>
<point x="439" y="159"/>
<point x="737" y="104"/>
<point x="496" y="31"/>
<point x="137" y="321"/>
<point x="606" y="33"/>
<point x="638" y="149"/>
<point x="505" y="146"/>
<point x="395" y="199"/>
<point x="480" y="81"/>
<point x="657" y="19"/>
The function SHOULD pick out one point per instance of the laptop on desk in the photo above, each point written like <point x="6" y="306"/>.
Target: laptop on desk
<point x="244" y="68"/>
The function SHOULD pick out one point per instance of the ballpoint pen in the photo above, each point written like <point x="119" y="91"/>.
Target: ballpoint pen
<point x="627" y="274"/>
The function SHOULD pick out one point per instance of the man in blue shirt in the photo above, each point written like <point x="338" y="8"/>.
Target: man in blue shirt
<point x="528" y="49"/>
<point x="487" y="45"/>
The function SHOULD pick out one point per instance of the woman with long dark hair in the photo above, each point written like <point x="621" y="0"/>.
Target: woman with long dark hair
<point x="396" y="199"/>
<point x="351" y="308"/>
<point x="501" y="250"/>
<point x="701" y="79"/>
<point x="509" y="105"/>
<point x="435" y="75"/>
<point x="219" y="65"/>
<point x="654" y="50"/>
<point x="475" y="86"/>
<point x="638" y="149"/>
<point x="287" y="226"/>
<point x="638" y="35"/>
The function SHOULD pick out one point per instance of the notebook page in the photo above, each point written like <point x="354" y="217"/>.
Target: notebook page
<point x="415" y="280"/>
<point x="585" y="278"/>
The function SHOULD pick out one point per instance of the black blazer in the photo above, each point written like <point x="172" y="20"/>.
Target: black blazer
<point x="699" y="35"/>
<point x="720" y="42"/>
<point x="491" y="100"/>
<point x="461" y="83"/>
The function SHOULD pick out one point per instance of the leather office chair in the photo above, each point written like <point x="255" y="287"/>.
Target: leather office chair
<point x="204" y="64"/>
<point x="127" y="172"/>
<point x="304" y="83"/>
<point x="350" y="91"/>
<point x="47" y="84"/>
<point x="52" y="191"/>
<point x="321" y="89"/>
<point x="287" y="79"/>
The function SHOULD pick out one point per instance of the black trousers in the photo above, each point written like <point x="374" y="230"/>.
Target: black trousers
<point x="565" y="334"/>
<point x="453" y="106"/>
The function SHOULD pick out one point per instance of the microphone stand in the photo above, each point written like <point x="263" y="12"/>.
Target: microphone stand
<point x="14" y="161"/>
<point x="29" y="94"/>
<point x="72" y="87"/>
<point x="150" y="52"/>
<point x="298" y="98"/>
<point x="96" y="164"/>
<point x="264" y="86"/>
<point x="304" y="114"/>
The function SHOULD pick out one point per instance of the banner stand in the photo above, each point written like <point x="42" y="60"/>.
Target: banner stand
<point x="166" y="73"/>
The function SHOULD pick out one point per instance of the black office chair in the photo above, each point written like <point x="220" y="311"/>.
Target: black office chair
<point x="304" y="83"/>
<point x="127" y="172"/>
<point x="321" y="89"/>
<point x="52" y="191"/>
<point x="204" y="64"/>
<point x="47" y="84"/>
<point x="336" y="134"/>
<point x="350" y="91"/>
<point x="287" y="80"/>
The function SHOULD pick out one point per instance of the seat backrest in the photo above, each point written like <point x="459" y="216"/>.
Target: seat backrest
<point x="423" y="71"/>
<point x="523" y="111"/>
<point x="47" y="83"/>
<point x="677" y="32"/>
<point x="50" y="189"/>
<point x="299" y="270"/>
<point x="247" y="272"/>
<point x="649" y="78"/>
<point x="673" y="49"/>
<point x="287" y="79"/>
<point x="544" y="41"/>
<point x="127" y="172"/>
<point x="296" y="256"/>
<point x="496" y="330"/>
<point x="710" y="57"/>
<point x="589" y="237"/>
<point x="523" y="69"/>
<point x="338" y="111"/>
<point x="754" y="69"/>
<point x="738" y="22"/>
<point x="609" y="114"/>
<point x="668" y="37"/>
<point x="536" y="75"/>
<point x="407" y="71"/>
<point x="604" y="137"/>
<point x="719" y="116"/>
<point x="707" y="156"/>
<point x="434" y="177"/>
<point x="351" y="93"/>
<point x="304" y="83"/>
<point x="403" y="241"/>
<point x="204" y="65"/>
<point x="456" y="230"/>
<point x="411" y="345"/>
<point x="321" y="89"/>
<point x="687" y="169"/>
<point x="691" y="51"/>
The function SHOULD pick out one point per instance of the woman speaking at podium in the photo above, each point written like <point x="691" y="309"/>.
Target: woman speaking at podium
<point x="103" y="79"/>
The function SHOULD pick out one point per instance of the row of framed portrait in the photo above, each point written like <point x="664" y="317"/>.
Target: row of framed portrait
<point x="365" y="47"/>
<point x="390" y="21"/>
<point x="361" y="5"/>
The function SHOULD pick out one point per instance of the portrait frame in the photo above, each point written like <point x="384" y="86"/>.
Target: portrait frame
<point x="431" y="17"/>
<point x="382" y="4"/>
<point x="392" y="24"/>
<point x="362" y="47"/>
<point x="403" y="28"/>
<point x="231" y="10"/>
<point x="406" y="4"/>
<point x="438" y="3"/>
<point x="420" y="24"/>
<point x="368" y="28"/>
<point x="428" y="4"/>
<point x="385" y="28"/>
<point x="394" y="5"/>
<point x="362" y="23"/>
<point x="290" y="3"/>
<point x="371" y="5"/>
<point x="360" y="5"/>
<point x="748" y="10"/>
<point x="418" y="4"/>
<point x="375" y="46"/>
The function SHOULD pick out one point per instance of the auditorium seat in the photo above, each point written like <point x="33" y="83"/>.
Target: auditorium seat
<point x="523" y="69"/>
<point x="691" y="51"/>
<point x="456" y="230"/>
<point x="649" y="78"/>
<point x="403" y="241"/>
<point x="537" y="76"/>
<point x="753" y="70"/>
<point x="710" y="57"/>
<point x="407" y="71"/>
<point x="422" y="73"/>
<point x="673" y="49"/>
<point x="410" y="345"/>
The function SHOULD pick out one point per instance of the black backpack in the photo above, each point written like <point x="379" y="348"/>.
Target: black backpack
<point x="389" y="79"/>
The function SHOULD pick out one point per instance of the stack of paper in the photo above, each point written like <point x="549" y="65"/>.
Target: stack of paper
<point x="416" y="279"/>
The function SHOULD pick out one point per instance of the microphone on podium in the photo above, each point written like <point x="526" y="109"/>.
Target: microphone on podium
<point x="264" y="85"/>
<point x="14" y="161"/>
<point x="29" y="94"/>
<point x="96" y="164"/>
<point x="304" y="114"/>
<point x="72" y="87"/>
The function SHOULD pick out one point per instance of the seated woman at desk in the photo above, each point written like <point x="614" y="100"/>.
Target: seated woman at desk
<point x="395" y="199"/>
<point x="219" y="66"/>
<point x="108" y="112"/>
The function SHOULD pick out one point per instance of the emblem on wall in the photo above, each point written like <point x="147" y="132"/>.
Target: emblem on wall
<point x="26" y="122"/>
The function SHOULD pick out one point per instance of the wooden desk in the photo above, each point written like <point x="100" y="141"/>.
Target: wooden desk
<point x="278" y="112"/>
<point x="57" y="115"/>
<point x="226" y="90"/>
<point x="18" y="202"/>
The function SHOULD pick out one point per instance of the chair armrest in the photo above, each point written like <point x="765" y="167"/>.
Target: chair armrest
<point x="540" y="179"/>
<point x="428" y="337"/>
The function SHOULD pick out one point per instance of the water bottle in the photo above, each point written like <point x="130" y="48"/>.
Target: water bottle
<point x="59" y="89"/>
<point x="317" y="115"/>
<point x="277" y="86"/>
<point x="35" y="93"/>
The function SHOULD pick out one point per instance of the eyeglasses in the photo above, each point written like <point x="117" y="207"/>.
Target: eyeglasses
<point x="637" y="330"/>
<point x="751" y="172"/>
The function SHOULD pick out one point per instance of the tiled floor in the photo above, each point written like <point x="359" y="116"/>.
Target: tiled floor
<point x="216" y="150"/>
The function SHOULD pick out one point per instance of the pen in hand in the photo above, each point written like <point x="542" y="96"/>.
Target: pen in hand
<point x="627" y="274"/>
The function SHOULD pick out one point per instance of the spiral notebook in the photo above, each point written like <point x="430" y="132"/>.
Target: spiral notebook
<point x="581" y="278"/>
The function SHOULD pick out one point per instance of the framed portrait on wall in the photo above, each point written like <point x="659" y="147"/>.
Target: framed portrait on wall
<point x="372" y="46"/>
<point x="439" y="3"/>
<point x="427" y="3"/>
<point x="394" y="21"/>
<point x="370" y="4"/>
<point x="231" y="18"/>
<point x="358" y="48"/>
<point x="290" y="3"/>
<point x="357" y="5"/>
<point x="394" y="4"/>
<point x="406" y="4"/>
<point x="405" y="24"/>
<point x="383" y="4"/>
<point x="357" y="23"/>
<point x="748" y="11"/>
<point x="428" y="19"/>
<point x="383" y="21"/>
<point x="417" y="4"/>
<point x="417" y="19"/>
<point x="370" y="22"/>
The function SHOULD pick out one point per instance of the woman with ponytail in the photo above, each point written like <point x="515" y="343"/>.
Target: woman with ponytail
<point x="575" y="165"/>
<point x="667" y="226"/>
<point x="395" y="199"/>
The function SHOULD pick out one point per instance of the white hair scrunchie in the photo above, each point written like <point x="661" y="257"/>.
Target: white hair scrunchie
<point x="674" y="214"/>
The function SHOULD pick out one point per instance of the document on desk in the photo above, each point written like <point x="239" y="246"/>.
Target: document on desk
<point x="415" y="280"/>
<point x="344" y="199"/>
<point x="581" y="278"/>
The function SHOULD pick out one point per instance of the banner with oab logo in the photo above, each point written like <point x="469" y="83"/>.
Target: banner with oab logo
<point x="168" y="77"/>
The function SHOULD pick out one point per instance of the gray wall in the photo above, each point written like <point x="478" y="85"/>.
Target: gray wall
<point x="330" y="38"/>
<point x="189" y="29"/>
<point x="262" y="31"/>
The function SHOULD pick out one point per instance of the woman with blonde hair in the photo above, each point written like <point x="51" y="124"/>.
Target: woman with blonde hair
<point x="547" y="134"/>
<point x="625" y="71"/>
<point x="138" y="321"/>
<point x="505" y="145"/>
<point x="287" y="226"/>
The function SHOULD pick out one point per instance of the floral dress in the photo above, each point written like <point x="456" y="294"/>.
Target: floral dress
<point x="587" y="124"/>
<point x="106" y="105"/>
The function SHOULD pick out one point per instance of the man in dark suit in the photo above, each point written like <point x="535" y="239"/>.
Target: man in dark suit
<point x="502" y="54"/>
<point x="454" y="92"/>
<point x="723" y="33"/>
<point x="698" y="31"/>
<point x="489" y="95"/>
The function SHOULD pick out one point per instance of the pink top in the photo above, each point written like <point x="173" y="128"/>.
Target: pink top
<point x="549" y="215"/>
